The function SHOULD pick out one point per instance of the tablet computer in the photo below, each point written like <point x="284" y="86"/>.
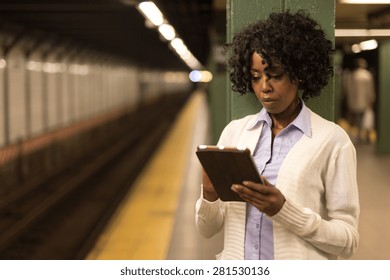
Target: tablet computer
<point x="226" y="166"/>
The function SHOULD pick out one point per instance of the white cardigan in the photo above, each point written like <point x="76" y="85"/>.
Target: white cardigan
<point x="318" y="179"/>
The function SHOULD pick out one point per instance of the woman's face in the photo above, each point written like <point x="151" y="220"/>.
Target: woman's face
<point x="278" y="93"/>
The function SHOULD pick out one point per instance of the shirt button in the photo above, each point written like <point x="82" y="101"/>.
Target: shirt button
<point x="257" y="225"/>
<point x="256" y="246"/>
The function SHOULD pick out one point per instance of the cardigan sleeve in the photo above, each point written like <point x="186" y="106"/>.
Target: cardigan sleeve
<point x="336" y="232"/>
<point x="209" y="217"/>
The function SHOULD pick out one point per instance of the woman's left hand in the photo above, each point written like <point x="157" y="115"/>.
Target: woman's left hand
<point x="265" y="197"/>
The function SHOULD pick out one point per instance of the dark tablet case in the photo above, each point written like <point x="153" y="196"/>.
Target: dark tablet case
<point x="226" y="167"/>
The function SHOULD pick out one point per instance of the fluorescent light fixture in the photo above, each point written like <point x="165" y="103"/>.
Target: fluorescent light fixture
<point x="167" y="31"/>
<point x="362" y="32"/>
<point x="151" y="12"/>
<point x="192" y="62"/>
<point x="368" y="45"/>
<point x="198" y="76"/>
<point x="364" y="46"/>
<point x="364" y="1"/>
<point x="155" y="16"/>
<point x="355" y="48"/>
<point x="183" y="52"/>
<point x="178" y="44"/>
<point x="195" y="76"/>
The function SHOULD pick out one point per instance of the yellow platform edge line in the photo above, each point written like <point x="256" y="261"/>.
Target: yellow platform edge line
<point x="141" y="228"/>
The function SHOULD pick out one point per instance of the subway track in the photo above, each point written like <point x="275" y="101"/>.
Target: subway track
<point x="61" y="216"/>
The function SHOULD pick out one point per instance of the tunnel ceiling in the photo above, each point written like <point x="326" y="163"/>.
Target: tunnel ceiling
<point x="116" y="26"/>
<point x="113" y="26"/>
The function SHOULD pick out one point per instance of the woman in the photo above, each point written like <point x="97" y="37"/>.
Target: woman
<point x="308" y="207"/>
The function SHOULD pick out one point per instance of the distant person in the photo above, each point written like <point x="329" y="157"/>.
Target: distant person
<point x="308" y="207"/>
<point x="360" y="90"/>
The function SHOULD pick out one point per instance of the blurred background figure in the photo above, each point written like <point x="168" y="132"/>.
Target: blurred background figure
<point x="360" y="94"/>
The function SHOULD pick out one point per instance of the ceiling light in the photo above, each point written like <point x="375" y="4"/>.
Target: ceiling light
<point x="355" y="48"/>
<point x="362" y="32"/>
<point x="364" y="46"/>
<point x="154" y="16"/>
<point x="368" y="45"/>
<point x="167" y="31"/>
<point x="178" y="45"/>
<point x="151" y="12"/>
<point x="364" y="1"/>
<point x="183" y="52"/>
<point x="197" y="76"/>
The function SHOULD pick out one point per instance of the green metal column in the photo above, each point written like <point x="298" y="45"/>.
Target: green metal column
<point x="383" y="145"/>
<point x="217" y="88"/>
<point x="338" y="58"/>
<point x="240" y="13"/>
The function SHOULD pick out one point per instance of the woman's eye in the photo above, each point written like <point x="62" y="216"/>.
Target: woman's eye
<point x="255" y="78"/>
<point x="276" y="76"/>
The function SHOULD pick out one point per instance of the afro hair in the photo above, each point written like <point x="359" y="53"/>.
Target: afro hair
<point x="294" y="41"/>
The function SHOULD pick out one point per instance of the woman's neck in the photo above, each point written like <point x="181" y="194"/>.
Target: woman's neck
<point x="282" y="120"/>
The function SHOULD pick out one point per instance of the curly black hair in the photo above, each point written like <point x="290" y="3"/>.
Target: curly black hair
<point x="294" y="41"/>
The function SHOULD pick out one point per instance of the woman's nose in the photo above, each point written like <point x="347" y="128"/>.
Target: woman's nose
<point x="265" y="86"/>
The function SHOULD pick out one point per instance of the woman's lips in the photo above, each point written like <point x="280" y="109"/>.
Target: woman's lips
<point x="267" y="100"/>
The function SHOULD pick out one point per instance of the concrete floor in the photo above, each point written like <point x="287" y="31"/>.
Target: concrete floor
<point x="374" y="192"/>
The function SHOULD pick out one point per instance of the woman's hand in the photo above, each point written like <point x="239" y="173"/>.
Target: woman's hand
<point x="267" y="198"/>
<point x="209" y="192"/>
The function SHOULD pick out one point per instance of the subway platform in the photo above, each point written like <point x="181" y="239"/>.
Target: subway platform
<point x="156" y="219"/>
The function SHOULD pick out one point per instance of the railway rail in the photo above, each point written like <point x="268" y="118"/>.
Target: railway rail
<point x="61" y="216"/>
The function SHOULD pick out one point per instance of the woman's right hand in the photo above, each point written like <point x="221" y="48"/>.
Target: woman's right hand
<point x="209" y="192"/>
